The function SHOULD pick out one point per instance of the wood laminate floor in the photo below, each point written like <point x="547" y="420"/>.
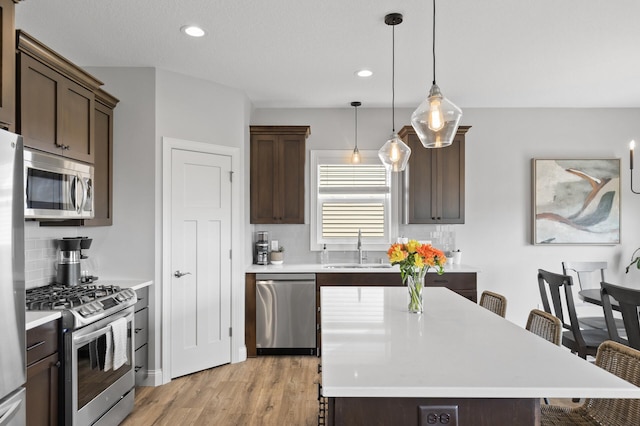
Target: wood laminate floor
<point x="268" y="390"/>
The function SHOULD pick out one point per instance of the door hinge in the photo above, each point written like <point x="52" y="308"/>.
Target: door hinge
<point x="230" y="254"/>
<point x="230" y="332"/>
<point x="231" y="176"/>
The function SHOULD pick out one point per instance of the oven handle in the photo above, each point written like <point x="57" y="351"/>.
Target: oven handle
<point x="82" y="339"/>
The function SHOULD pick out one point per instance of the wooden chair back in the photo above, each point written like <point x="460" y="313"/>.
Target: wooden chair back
<point x="629" y="301"/>
<point x="589" y="274"/>
<point x="559" y="287"/>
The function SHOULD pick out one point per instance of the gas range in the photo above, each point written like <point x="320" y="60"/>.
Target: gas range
<point x="82" y="304"/>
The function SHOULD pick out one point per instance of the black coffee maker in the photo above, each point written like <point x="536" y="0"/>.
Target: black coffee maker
<point x="68" y="268"/>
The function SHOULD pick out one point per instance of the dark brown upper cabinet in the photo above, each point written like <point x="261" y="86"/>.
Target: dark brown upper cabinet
<point x="277" y="173"/>
<point x="433" y="183"/>
<point x="55" y="102"/>
<point x="7" y="65"/>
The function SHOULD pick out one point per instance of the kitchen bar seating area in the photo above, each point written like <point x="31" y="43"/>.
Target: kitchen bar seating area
<point x="409" y="367"/>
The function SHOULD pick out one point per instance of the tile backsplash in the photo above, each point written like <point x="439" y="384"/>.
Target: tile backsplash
<point x="41" y="252"/>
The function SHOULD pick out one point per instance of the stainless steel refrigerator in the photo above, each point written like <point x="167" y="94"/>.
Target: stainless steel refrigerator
<point x="12" y="286"/>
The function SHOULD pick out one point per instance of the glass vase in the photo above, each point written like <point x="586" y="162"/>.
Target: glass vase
<point x="415" y="284"/>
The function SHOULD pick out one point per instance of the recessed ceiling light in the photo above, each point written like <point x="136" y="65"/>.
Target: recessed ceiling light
<point x="193" y="31"/>
<point x="364" y="73"/>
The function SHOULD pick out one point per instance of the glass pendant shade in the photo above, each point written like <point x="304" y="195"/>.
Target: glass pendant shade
<point x="355" y="157"/>
<point x="436" y="120"/>
<point x="394" y="154"/>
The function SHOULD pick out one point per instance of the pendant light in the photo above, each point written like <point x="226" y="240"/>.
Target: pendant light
<point x="436" y="120"/>
<point x="355" y="157"/>
<point x="394" y="154"/>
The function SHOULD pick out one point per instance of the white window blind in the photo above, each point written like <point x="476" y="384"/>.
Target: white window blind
<point x="353" y="197"/>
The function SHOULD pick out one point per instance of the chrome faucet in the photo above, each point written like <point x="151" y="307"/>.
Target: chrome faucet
<point x="360" y="258"/>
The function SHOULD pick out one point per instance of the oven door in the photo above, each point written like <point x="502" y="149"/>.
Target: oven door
<point x="95" y="391"/>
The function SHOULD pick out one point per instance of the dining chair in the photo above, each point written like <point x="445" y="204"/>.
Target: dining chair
<point x="617" y="359"/>
<point x="494" y="302"/>
<point x="559" y="287"/>
<point x="547" y="326"/>
<point x="589" y="276"/>
<point x="629" y="301"/>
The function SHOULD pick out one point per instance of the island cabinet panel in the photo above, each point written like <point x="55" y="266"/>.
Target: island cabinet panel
<point x="7" y="65"/>
<point x="463" y="283"/>
<point x="43" y="374"/>
<point x="277" y="173"/>
<point x="415" y="411"/>
<point x="55" y="101"/>
<point x="434" y="181"/>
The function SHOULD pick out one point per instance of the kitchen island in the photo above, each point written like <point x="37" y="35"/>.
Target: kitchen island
<point x="383" y="365"/>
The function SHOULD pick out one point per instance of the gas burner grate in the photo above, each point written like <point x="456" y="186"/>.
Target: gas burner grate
<point x="56" y="297"/>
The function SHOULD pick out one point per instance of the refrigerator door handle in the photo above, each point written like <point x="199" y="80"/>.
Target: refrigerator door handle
<point x="5" y="418"/>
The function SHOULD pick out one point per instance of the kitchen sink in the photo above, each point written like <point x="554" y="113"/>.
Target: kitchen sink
<point x="357" y="265"/>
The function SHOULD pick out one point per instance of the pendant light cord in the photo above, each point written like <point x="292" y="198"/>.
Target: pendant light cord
<point x="433" y="38"/>
<point x="356" y="108"/>
<point x="393" y="79"/>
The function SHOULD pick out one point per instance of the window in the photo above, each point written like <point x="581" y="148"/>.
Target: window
<point x="350" y="197"/>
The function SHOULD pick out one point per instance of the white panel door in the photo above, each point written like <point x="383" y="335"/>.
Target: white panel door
<point x="200" y="261"/>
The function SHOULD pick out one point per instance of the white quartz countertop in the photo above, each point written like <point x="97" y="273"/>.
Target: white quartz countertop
<point x="373" y="347"/>
<point x="341" y="268"/>
<point x="35" y="318"/>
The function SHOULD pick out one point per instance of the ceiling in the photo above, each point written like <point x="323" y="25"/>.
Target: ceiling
<point x="303" y="53"/>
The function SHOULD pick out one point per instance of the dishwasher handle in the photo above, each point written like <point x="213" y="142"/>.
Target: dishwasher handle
<point x="267" y="278"/>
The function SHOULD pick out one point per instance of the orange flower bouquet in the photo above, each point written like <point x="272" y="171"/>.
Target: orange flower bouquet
<point x="415" y="259"/>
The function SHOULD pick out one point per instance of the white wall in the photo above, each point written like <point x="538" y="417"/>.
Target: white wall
<point x="499" y="147"/>
<point x="197" y="110"/>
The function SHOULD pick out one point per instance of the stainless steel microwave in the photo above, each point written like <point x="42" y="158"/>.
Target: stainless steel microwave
<point x="57" y="187"/>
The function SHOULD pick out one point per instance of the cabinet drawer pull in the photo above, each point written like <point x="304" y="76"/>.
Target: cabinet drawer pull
<point x="35" y="345"/>
<point x="440" y="281"/>
<point x="138" y="368"/>
<point x="138" y="330"/>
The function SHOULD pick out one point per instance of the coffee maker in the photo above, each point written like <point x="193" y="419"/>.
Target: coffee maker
<point x="262" y="248"/>
<point x="68" y="268"/>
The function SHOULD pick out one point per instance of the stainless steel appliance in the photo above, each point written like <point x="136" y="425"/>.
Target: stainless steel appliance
<point x="57" y="187"/>
<point x="286" y="314"/>
<point x="262" y="248"/>
<point x="93" y="393"/>
<point x="12" y="292"/>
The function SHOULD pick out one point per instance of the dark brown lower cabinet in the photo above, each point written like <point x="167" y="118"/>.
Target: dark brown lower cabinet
<point x="43" y="375"/>
<point x="42" y="391"/>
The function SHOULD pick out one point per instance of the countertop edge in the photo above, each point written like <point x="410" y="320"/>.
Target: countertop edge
<point x="37" y="318"/>
<point x="321" y="269"/>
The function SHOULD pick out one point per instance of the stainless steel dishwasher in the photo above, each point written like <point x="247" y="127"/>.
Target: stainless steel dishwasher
<point x="286" y="314"/>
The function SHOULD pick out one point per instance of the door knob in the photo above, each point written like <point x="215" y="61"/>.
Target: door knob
<point x="179" y="274"/>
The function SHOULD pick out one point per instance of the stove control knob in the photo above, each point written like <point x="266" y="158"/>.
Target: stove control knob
<point x="97" y="306"/>
<point x="84" y="311"/>
<point x="120" y="297"/>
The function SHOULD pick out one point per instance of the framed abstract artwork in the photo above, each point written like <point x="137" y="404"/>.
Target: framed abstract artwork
<point x="576" y="201"/>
